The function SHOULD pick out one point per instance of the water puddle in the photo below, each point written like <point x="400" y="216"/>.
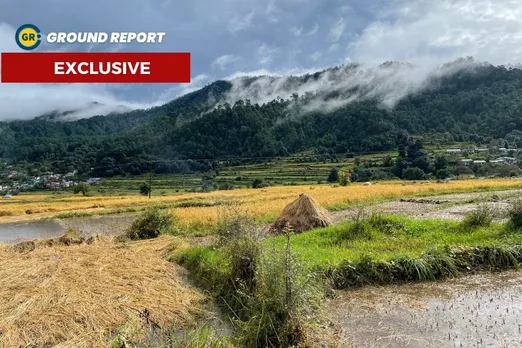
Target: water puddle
<point x="475" y="311"/>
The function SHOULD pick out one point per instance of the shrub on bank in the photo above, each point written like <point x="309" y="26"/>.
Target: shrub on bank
<point x="482" y="216"/>
<point x="150" y="224"/>
<point x="267" y="292"/>
<point x="515" y="215"/>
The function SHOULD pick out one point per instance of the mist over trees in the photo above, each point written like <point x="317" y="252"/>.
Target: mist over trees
<point x="196" y="131"/>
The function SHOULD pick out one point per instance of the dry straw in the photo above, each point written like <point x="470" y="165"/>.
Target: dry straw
<point x="303" y="214"/>
<point x="82" y="294"/>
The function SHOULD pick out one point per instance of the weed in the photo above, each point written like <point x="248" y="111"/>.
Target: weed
<point x="482" y="216"/>
<point x="515" y="215"/>
<point x="201" y="337"/>
<point x="150" y="224"/>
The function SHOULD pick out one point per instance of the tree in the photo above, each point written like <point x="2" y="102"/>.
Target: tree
<point x="334" y="175"/>
<point x="258" y="183"/>
<point x="82" y="187"/>
<point x="144" y="189"/>
<point x="441" y="163"/>
<point x="413" y="173"/>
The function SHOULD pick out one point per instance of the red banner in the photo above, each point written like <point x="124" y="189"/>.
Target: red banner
<point x="94" y="67"/>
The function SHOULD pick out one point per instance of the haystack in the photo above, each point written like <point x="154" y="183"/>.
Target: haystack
<point x="303" y="214"/>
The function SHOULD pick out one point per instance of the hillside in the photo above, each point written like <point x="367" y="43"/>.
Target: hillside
<point x="333" y="112"/>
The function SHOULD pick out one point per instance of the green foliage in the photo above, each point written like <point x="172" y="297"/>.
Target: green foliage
<point x="144" y="189"/>
<point x="334" y="175"/>
<point x="201" y="337"/>
<point x="226" y="186"/>
<point x="267" y="293"/>
<point x="258" y="183"/>
<point x="515" y="215"/>
<point x="413" y="174"/>
<point x="150" y="224"/>
<point x="388" y="249"/>
<point x="480" y="104"/>
<point x="482" y="216"/>
<point x="82" y="187"/>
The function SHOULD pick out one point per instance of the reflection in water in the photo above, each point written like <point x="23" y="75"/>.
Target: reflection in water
<point x="476" y="311"/>
<point x="115" y="224"/>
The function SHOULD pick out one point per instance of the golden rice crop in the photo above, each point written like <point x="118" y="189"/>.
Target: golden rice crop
<point x="265" y="203"/>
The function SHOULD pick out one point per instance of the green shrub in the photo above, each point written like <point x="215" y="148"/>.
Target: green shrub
<point x="515" y="215"/>
<point x="267" y="293"/>
<point x="281" y="297"/>
<point x="201" y="337"/>
<point x="482" y="216"/>
<point x="258" y="183"/>
<point x="150" y="224"/>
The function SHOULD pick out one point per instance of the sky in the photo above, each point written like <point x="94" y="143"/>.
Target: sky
<point x="230" y="38"/>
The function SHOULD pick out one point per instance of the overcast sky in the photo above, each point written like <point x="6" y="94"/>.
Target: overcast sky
<point x="233" y="37"/>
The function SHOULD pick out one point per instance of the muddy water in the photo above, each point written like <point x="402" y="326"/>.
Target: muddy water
<point x="476" y="311"/>
<point x="14" y="232"/>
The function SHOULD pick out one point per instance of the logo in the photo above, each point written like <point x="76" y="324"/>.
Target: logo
<point x="28" y="37"/>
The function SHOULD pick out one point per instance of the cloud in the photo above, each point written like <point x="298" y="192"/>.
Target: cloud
<point x="316" y="56"/>
<point x="240" y="23"/>
<point x="337" y="30"/>
<point x="224" y="60"/>
<point x="432" y="32"/>
<point x="313" y="30"/>
<point x="26" y="101"/>
<point x="386" y="83"/>
<point x="276" y="35"/>
<point x="266" y="54"/>
<point x="299" y="31"/>
<point x="177" y="91"/>
<point x="296" y="31"/>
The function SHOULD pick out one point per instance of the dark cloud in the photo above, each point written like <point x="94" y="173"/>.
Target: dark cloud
<point x="270" y="36"/>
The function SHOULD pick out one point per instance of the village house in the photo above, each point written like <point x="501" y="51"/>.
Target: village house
<point x="507" y="160"/>
<point x="453" y="152"/>
<point x="466" y="162"/>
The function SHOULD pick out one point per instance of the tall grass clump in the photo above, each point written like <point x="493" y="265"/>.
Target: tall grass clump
<point x="201" y="337"/>
<point x="515" y="216"/>
<point x="283" y="296"/>
<point x="150" y="224"/>
<point x="267" y="292"/>
<point x="482" y="216"/>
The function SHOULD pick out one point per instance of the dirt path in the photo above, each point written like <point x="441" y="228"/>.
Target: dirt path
<point x="451" y="206"/>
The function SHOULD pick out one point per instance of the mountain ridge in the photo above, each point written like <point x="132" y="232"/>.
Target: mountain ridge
<point x="474" y="102"/>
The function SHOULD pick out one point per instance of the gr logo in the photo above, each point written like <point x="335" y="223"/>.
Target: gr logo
<point x="28" y="37"/>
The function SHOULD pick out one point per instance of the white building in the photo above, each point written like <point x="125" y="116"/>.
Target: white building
<point x="454" y="151"/>
<point x="466" y="162"/>
<point x="508" y="160"/>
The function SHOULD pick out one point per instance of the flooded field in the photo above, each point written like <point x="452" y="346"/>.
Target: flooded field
<point x="475" y="311"/>
<point x="13" y="232"/>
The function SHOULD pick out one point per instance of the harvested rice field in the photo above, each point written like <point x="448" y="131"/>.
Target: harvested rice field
<point x="198" y="209"/>
<point x="89" y="294"/>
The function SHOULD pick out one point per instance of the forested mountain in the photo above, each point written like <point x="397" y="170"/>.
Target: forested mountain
<point x="479" y="103"/>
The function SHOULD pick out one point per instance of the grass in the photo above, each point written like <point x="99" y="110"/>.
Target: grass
<point x="85" y="295"/>
<point x="268" y="295"/>
<point x="386" y="249"/>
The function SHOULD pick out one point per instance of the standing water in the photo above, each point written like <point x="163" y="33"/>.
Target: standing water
<point x="475" y="311"/>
